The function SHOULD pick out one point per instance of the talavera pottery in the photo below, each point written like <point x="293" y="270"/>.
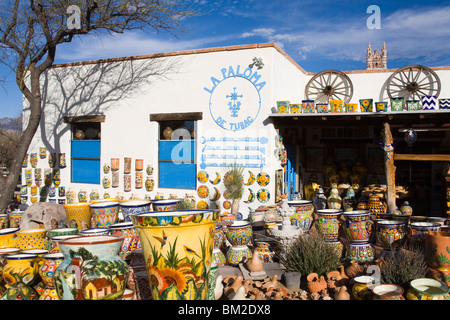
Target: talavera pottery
<point x="187" y="235"/>
<point x="78" y="214"/>
<point x="303" y="215"/>
<point x="91" y="269"/>
<point x="239" y="233"/>
<point x="361" y="288"/>
<point x="387" y="291"/>
<point x="437" y="249"/>
<point x="19" y="272"/>
<point x="417" y="231"/>
<point x="165" y="204"/>
<point x="47" y="267"/>
<point x="130" y="207"/>
<point x="33" y="238"/>
<point x="328" y="223"/>
<point x="358" y="226"/>
<point x="130" y="238"/>
<point x="105" y="213"/>
<point x="8" y="237"/>
<point x="427" y="289"/>
<point x="391" y="233"/>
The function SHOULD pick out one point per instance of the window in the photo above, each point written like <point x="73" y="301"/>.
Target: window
<point x="177" y="150"/>
<point x="86" y="149"/>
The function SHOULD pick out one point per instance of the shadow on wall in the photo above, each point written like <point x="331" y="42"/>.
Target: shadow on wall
<point x="91" y="89"/>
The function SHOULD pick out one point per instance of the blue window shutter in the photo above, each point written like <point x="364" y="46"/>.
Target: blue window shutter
<point x="177" y="150"/>
<point x="177" y="175"/>
<point x="86" y="161"/>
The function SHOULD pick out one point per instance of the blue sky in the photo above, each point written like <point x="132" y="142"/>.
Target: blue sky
<point x="318" y="35"/>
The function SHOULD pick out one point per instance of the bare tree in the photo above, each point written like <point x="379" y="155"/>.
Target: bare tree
<point x="31" y="30"/>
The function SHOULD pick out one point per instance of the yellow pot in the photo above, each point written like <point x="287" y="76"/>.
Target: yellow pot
<point x="78" y="213"/>
<point x="8" y="237"/>
<point x="28" y="239"/>
<point x="187" y="235"/>
<point x="20" y="268"/>
<point x="427" y="289"/>
<point x="361" y="288"/>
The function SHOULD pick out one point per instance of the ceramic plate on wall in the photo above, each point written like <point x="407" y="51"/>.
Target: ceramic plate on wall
<point x="202" y="204"/>
<point x="202" y="177"/>
<point x="203" y="191"/>
<point x="217" y="180"/>
<point x="263" y="195"/>
<point x="226" y="205"/>
<point x="251" y="197"/>
<point x="263" y="179"/>
<point x="251" y="179"/>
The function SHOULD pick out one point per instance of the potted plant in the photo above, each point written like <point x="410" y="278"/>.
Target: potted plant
<point x="234" y="186"/>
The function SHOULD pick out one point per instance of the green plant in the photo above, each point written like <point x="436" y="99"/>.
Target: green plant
<point x="185" y="204"/>
<point x="405" y="264"/>
<point x="234" y="186"/>
<point x="310" y="254"/>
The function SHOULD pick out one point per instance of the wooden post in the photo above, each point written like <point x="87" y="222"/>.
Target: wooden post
<point x="389" y="168"/>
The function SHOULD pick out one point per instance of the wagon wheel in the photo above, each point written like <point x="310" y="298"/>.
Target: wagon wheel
<point x="329" y="85"/>
<point x="413" y="81"/>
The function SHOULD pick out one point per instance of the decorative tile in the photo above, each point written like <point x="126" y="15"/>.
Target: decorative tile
<point x="444" y="103"/>
<point x="429" y="102"/>
<point x="413" y="105"/>
<point x="397" y="104"/>
<point x="366" y="105"/>
<point x="308" y="106"/>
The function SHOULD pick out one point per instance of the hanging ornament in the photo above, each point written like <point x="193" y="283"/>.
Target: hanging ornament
<point x="388" y="148"/>
<point x="410" y="137"/>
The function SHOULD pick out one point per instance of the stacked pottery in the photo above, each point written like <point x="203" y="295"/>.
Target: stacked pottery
<point x="105" y="213"/>
<point x="359" y="228"/>
<point x="303" y="214"/>
<point x="219" y="239"/>
<point x="390" y="234"/>
<point x="239" y="235"/>
<point x="92" y="269"/>
<point x="437" y="255"/>
<point x="376" y="206"/>
<point x="134" y="206"/>
<point x="328" y="226"/>
<point x="177" y="248"/>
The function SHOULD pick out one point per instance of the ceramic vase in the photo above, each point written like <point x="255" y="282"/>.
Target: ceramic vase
<point x="19" y="272"/>
<point x="391" y="233"/>
<point x="47" y="267"/>
<point x="127" y="165"/>
<point x="92" y="269"/>
<point x="320" y="200"/>
<point x="361" y="252"/>
<point x="78" y="215"/>
<point x="33" y="238"/>
<point x="115" y="164"/>
<point x="239" y="233"/>
<point x="283" y="106"/>
<point x="334" y="201"/>
<point x="427" y="289"/>
<point x="105" y="213"/>
<point x="187" y="235"/>
<point x="366" y="105"/>
<point x="134" y="206"/>
<point x="437" y="249"/>
<point x="358" y="226"/>
<point x="238" y="254"/>
<point x="376" y="207"/>
<point x="328" y="223"/>
<point x="219" y="257"/>
<point x="265" y="251"/>
<point x="387" y="291"/>
<point x="130" y="238"/>
<point x="303" y="214"/>
<point x="406" y="209"/>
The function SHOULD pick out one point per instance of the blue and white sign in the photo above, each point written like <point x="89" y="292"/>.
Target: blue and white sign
<point x="235" y="99"/>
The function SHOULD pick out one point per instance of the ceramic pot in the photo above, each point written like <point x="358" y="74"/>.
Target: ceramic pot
<point x="78" y="215"/>
<point x="406" y="209"/>
<point x="337" y="245"/>
<point x="361" y="252"/>
<point x="134" y="206"/>
<point x="130" y="238"/>
<point x="139" y="164"/>
<point x="237" y="254"/>
<point x="91" y="269"/>
<point x="53" y="243"/>
<point x="328" y="223"/>
<point x="334" y="201"/>
<point x="8" y="237"/>
<point x="292" y="280"/>
<point x="33" y="238"/>
<point x="303" y="215"/>
<point x="427" y="289"/>
<point x="417" y="231"/>
<point x="219" y="236"/>
<point x="115" y="164"/>
<point x="105" y="213"/>
<point x="417" y="219"/>
<point x="95" y="232"/>
<point x="265" y="251"/>
<point x="19" y="272"/>
<point x="15" y="217"/>
<point x="358" y="226"/>
<point x="376" y="207"/>
<point x="442" y="221"/>
<point x="127" y="165"/>
<point x="437" y="249"/>
<point x="441" y="274"/>
<point x="239" y="233"/>
<point x="61" y="232"/>
<point x="391" y="233"/>
<point x="149" y="184"/>
<point x="219" y="257"/>
<point x="361" y="288"/>
<point x="47" y="267"/>
<point x="187" y="235"/>
<point x="165" y="204"/>
<point x="387" y="291"/>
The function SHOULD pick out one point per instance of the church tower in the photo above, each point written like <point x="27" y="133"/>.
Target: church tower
<point x="375" y="59"/>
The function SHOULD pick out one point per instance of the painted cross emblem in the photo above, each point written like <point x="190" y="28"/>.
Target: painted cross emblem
<point x="234" y="105"/>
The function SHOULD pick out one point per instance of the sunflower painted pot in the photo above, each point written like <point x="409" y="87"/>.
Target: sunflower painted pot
<point x="328" y="223"/>
<point x="134" y="206"/>
<point x="91" y="270"/>
<point x="239" y="233"/>
<point x="303" y="214"/>
<point x="19" y="272"/>
<point x="127" y="232"/>
<point x="427" y="289"/>
<point x="105" y="213"/>
<point x="8" y="237"/>
<point x="47" y="267"/>
<point x="178" y="252"/>
<point x="358" y="226"/>
<point x="391" y="233"/>
<point x="78" y="214"/>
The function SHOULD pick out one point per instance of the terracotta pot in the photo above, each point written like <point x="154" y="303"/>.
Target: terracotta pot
<point x="437" y="249"/>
